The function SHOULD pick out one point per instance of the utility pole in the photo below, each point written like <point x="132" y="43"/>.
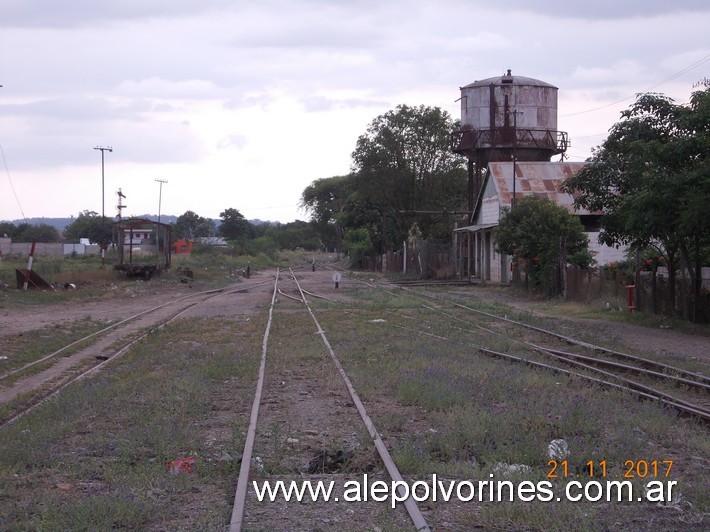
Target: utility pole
<point x="515" y="157"/>
<point x="103" y="149"/>
<point x="160" y="200"/>
<point x="160" y="195"/>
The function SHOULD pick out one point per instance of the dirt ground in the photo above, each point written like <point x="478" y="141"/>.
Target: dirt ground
<point x="302" y="423"/>
<point x="128" y="300"/>
<point x="673" y="344"/>
<point x="120" y="303"/>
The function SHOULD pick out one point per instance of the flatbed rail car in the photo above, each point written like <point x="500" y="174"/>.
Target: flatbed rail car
<point x="139" y="270"/>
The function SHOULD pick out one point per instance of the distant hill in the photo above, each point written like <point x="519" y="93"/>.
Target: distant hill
<point x="58" y="223"/>
<point x="61" y="223"/>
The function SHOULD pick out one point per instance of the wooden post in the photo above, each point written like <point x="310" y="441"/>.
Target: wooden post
<point x="563" y="268"/>
<point x="638" y="280"/>
<point x="29" y="267"/>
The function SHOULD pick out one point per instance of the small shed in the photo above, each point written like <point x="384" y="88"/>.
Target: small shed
<point x="182" y="246"/>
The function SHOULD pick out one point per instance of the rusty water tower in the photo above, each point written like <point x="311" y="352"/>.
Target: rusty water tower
<point x="507" y="118"/>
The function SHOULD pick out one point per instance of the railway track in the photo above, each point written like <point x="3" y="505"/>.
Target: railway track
<point x="352" y="416"/>
<point x="248" y="463"/>
<point x="598" y="364"/>
<point x="307" y="421"/>
<point x="30" y="384"/>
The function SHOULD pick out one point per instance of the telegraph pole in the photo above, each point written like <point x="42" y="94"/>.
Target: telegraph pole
<point x="103" y="149"/>
<point x="160" y="195"/>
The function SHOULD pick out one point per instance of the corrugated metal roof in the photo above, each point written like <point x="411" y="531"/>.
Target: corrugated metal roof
<point x="541" y="179"/>
<point x="473" y="228"/>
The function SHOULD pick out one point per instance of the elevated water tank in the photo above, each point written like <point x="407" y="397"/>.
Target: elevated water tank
<point x="509" y="117"/>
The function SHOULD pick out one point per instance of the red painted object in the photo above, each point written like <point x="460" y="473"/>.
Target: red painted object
<point x="182" y="465"/>
<point x="630" y="292"/>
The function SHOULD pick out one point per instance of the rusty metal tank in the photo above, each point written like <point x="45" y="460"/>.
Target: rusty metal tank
<point x="509" y="117"/>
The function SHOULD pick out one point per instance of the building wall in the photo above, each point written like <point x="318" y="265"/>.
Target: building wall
<point x="604" y="254"/>
<point x="494" y="257"/>
<point x="490" y="211"/>
<point x="143" y="249"/>
<point x="56" y="250"/>
<point x="494" y="267"/>
<point x="182" y="246"/>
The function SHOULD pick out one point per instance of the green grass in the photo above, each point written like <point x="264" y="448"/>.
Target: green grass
<point x="97" y="459"/>
<point x="23" y="348"/>
<point x="482" y="412"/>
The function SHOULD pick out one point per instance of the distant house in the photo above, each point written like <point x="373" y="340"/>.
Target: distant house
<point x="541" y="179"/>
<point x="217" y="241"/>
<point x="182" y="246"/>
<point x="137" y="236"/>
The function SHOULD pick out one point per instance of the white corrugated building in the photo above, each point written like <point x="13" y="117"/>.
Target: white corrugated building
<point x="539" y="178"/>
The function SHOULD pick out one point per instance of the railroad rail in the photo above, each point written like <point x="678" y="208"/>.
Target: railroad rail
<point x="611" y="376"/>
<point x="595" y="370"/>
<point x="607" y="373"/>
<point x="158" y="316"/>
<point x="237" y="517"/>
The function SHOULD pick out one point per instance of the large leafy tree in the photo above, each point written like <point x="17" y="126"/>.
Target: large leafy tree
<point x="651" y="180"/>
<point x="191" y="225"/>
<point x="404" y="164"/>
<point x="537" y="233"/>
<point x="91" y="225"/>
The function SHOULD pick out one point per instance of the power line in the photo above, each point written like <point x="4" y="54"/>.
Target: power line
<point x="12" y="186"/>
<point x="669" y="78"/>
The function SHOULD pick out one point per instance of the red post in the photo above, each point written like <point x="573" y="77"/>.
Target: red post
<point x="630" y="301"/>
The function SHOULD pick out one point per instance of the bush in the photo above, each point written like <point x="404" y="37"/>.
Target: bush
<point x="533" y="231"/>
<point x="358" y="246"/>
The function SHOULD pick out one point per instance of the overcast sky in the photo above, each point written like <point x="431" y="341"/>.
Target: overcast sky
<point x="242" y="104"/>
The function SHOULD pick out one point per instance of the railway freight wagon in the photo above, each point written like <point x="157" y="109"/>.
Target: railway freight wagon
<point x="144" y="247"/>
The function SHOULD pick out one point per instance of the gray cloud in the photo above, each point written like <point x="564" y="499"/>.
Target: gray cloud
<point x="77" y="13"/>
<point x="607" y="9"/>
<point x="161" y="81"/>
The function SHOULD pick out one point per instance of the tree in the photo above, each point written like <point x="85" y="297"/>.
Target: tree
<point x="91" y="225"/>
<point x="535" y="231"/>
<point x="358" y="246"/>
<point x="404" y="164"/>
<point x="694" y="221"/>
<point x="296" y="234"/>
<point x="8" y="229"/>
<point x="651" y="181"/>
<point x="190" y="226"/>
<point x="234" y="226"/>
<point x="325" y="199"/>
<point x="36" y="233"/>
